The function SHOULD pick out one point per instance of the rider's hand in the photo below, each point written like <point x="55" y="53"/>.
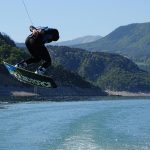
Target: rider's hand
<point x="35" y="32"/>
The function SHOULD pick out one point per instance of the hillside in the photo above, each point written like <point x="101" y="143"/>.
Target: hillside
<point x="131" y="40"/>
<point x="6" y="40"/>
<point x="108" y="71"/>
<point x="68" y="83"/>
<point x="8" y="50"/>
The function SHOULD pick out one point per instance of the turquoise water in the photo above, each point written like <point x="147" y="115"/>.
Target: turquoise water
<point x="84" y="125"/>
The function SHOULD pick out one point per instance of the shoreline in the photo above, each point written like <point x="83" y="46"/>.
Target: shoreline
<point x="110" y="93"/>
<point x="126" y="93"/>
<point x="30" y="99"/>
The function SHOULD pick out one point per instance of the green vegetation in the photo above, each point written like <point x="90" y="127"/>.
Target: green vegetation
<point x="11" y="54"/>
<point x="8" y="50"/>
<point x="67" y="78"/>
<point x="124" y="80"/>
<point x="108" y="71"/>
<point x="6" y="40"/>
<point x="143" y="62"/>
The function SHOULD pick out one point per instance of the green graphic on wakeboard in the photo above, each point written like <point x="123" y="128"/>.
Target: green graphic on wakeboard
<point x="29" y="77"/>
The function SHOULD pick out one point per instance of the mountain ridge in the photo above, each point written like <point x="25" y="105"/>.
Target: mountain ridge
<point x="78" y="40"/>
<point x="131" y="40"/>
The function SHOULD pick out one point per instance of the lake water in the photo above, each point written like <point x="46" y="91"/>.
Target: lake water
<point x="82" y="125"/>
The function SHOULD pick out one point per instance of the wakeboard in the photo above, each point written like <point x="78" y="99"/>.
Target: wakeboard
<point x="29" y="77"/>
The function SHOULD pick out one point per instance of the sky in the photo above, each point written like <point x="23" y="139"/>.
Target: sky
<point x="73" y="18"/>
